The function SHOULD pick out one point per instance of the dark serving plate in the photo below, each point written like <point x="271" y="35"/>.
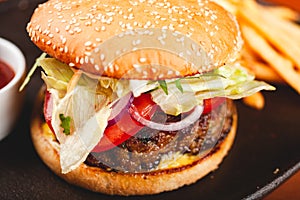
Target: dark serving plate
<point x="265" y="152"/>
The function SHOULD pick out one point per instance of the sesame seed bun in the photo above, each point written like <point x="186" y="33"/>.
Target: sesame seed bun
<point x="130" y="183"/>
<point x="137" y="39"/>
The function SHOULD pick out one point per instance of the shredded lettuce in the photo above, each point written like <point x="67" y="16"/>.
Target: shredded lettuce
<point x="87" y="101"/>
<point x="175" y="102"/>
<point x="56" y="69"/>
<point x="31" y="72"/>
<point x="80" y="114"/>
<point x="86" y="123"/>
<point x="232" y="82"/>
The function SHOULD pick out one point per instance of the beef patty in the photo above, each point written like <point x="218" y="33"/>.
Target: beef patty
<point x="144" y="151"/>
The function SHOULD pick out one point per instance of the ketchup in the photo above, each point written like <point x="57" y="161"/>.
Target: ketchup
<point x="6" y="74"/>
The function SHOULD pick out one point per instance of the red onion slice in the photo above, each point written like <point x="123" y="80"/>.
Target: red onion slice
<point x="175" y="126"/>
<point x="119" y="108"/>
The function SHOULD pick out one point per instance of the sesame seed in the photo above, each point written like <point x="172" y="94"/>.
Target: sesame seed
<point x="67" y="27"/>
<point x="63" y="40"/>
<point x="86" y="59"/>
<point x="117" y="67"/>
<point x="102" y="57"/>
<point x="33" y="33"/>
<point x="170" y="72"/>
<point x="111" y="68"/>
<point x="97" y="29"/>
<point x="161" y="76"/>
<point x="88" y="49"/>
<point x="105" y="67"/>
<point x="136" y="66"/>
<point x="81" y="61"/>
<point x="88" y="43"/>
<point x="96" y="50"/>
<point x="97" y="67"/>
<point x="88" y="53"/>
<point x="142" y="60"/>
<point x="88" y="23"/>
<point x="77" y="30"/>
<point x="37" y="27"/>
<point x="154" y="70"/>
<point x="208" y="22"/>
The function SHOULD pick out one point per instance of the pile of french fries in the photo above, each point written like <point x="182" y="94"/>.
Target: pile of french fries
<point x="272" y="43"/>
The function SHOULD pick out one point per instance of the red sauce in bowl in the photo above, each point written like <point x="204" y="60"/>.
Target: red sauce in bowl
<point x="6" y="74"/>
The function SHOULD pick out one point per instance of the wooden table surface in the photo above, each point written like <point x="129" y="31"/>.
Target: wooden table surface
<point x="288" y="190"/>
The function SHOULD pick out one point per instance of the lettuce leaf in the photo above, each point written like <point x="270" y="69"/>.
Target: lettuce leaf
<point x="87" y="123"/>
<point x="31" y="72"/>
<point x="232" y="82"/>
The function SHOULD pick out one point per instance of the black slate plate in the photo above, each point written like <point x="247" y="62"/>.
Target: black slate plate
<point x="265" y="153"/>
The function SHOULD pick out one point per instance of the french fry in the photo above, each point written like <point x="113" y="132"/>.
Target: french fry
<point x="262" y="70"/>
<point x="282" y="12"/>
<point x="283" y="66"/>
<point x="273" y="39"/>
<point x="228" y="5"/>
<point x="256" y="101"/>
<point x="275" y="35"/>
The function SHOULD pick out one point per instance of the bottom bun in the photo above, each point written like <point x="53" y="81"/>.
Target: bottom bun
<point x="99" y="180"/>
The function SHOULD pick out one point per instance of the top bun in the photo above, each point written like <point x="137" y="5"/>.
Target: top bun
<point x="137" y="39"/>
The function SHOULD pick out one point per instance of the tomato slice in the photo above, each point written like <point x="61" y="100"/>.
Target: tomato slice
<point x="118" y="132"/>
<point x="126" y="127"/>
<point x="210" y="104"/>
<point x="48" y="107"/>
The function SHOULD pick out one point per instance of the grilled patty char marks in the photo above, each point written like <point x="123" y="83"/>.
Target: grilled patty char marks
<point x="143" y="152"/>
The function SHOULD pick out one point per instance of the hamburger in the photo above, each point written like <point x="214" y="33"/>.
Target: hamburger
<point x="138" y="94"/>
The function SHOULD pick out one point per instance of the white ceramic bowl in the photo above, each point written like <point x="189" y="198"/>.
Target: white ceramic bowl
<point x="11" y="99"/>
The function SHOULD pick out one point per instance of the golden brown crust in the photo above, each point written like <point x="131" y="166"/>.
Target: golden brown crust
<point x="73" y="32"/>
<point x="98" y="180"/>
